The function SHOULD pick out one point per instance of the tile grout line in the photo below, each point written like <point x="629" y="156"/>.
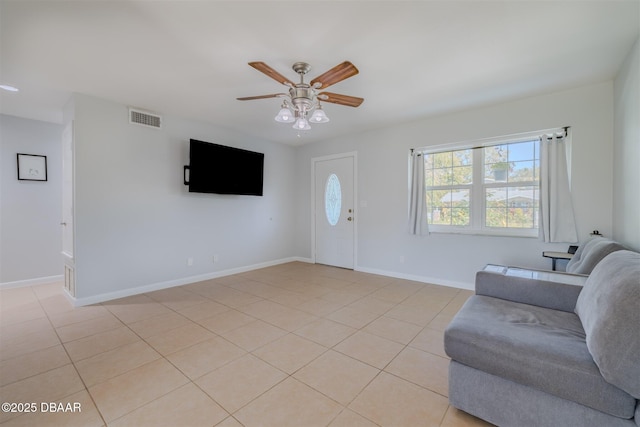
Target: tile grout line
<point x="369" y="294"/>
<point x="86" y="389"/>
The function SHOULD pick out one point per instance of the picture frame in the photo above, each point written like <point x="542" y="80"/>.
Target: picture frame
<point x="32" y="167"/>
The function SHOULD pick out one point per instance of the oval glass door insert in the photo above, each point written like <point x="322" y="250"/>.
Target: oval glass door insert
<point x="332" y="199"/>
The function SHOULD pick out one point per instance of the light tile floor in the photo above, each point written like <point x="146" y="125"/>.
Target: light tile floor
<point x="291" y="345"/>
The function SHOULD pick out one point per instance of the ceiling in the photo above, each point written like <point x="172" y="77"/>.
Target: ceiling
<point x="416" y="58"/>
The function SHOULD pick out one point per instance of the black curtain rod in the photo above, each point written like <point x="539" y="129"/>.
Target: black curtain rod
<point x="565" y="128"/>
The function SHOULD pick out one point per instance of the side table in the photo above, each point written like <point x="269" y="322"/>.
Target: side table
<point x="556" y="256"/>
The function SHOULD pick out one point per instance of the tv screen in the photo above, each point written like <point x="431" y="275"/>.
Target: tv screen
<point x="220" y="169"/>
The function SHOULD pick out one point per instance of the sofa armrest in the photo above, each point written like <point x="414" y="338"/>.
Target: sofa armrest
<point x="556" y="291"/>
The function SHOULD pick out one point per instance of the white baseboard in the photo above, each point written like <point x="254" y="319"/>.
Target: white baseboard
<point x="32" y="282"/>
<point x="214" y="275"/>
<point x="95" y="299"/>
<point x="416" y="278"/>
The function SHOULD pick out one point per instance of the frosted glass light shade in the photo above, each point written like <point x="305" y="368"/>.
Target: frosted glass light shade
<point x="301" y="124"/>
<point x="319" y="116"/>
<point x="285" y="116"/>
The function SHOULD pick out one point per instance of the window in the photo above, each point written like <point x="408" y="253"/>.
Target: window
<point x="449" y="183"/>
<point x="332" y="199"/>
<point x="494" y="189"/>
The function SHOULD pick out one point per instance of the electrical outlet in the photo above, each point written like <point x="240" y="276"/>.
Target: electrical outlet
<point x="216" y="258"/>
<point x="401" y="259"/>
<point x="189" y="262"/>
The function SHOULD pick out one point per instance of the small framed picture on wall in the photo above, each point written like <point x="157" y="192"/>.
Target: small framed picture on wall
<point x="32" y="167"/>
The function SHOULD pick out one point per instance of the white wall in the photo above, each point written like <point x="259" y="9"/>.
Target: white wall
<point x="30" y="234"/>
<point x="626" y="173"/>
<point x="136" y="223"/>
<point x="454" y="259"/>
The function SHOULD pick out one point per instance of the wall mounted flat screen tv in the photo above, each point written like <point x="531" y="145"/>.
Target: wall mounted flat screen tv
<point x="220" y="169"/>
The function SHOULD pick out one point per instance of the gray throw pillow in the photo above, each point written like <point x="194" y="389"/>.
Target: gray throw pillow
<point x="609" y="309"/>
<point x="595" y="250"/>
<point x="577" y="257"/>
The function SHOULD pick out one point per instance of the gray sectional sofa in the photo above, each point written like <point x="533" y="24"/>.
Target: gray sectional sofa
<point x="550" y="349"/>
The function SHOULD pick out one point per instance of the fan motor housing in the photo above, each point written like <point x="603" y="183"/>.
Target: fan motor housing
<point x="303" y="96"/>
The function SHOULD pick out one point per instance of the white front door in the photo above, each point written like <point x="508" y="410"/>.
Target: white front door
<point x="334" y="215"/>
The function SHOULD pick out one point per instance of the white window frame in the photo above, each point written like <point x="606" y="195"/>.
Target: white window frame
<point x="477" y="200"/>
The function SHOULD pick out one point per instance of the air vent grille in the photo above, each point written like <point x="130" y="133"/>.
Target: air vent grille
<point x="145" y="118"/>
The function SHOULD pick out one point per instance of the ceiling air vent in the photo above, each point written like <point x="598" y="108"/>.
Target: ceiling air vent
<point x="144" y="118"/>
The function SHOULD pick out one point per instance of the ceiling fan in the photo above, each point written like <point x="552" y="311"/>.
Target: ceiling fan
<point x="304" y="98"/>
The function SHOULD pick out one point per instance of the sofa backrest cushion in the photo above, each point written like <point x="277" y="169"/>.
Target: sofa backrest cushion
<point x="590" y="254"/>
<point x="583" y="248"/>
<point x="609" y="309"/>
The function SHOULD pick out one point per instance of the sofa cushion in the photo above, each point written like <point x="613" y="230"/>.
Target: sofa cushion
<point x="507" y="403"/>
<point x="533" y="346"/>
<point x="582" y="249"/>
<point x="609" y="308"/>
<point x="590" y="254"/>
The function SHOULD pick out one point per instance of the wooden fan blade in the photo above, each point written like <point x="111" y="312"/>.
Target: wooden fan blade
<point x="336" y="98"/>
<point x="264" y="68"/>
<point x="249" y="98"/>
<point x="336" y="74"/>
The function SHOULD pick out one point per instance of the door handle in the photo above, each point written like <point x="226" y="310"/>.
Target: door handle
<point x="349" y="219"/>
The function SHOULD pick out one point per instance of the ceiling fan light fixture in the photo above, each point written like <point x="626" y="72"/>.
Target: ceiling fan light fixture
<point x="319" y="116"/>
<point x="303" y="99"/>
<point x="301" y="124"/>
<point x="285" y="115"/>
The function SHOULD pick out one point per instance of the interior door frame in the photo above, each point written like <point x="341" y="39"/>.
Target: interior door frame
<point x="314" y="160"/>
<point x="69" y="170"/>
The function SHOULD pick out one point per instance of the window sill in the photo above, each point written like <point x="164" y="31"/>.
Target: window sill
<point x="534" y="234"/>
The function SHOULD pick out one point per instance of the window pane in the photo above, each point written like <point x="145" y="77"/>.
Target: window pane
<point x="496" y="172"/>
<point x="523" y="203"/>
<point x="496" y="165"/>
<point x="463" y="157"/>
<point x="512" y="207"/>
<point x="428" y="177"/>
<point x="462" y="175"/>
<point x="522" y="171"/>
<point x="441" y="160"/>
<point x="519" y="218"/>
<point x="458" y="204"/>
<point x="496" y="154"/>
<point x="441" y="177"/>
<point x="460" y="216"/>
<point x="536" y="208"/>
<point x="521" y="151"/>
<point x="435" y="207"/>
<point x="496" y="218"/>
<point x="496" y="207"/>
<point x="496" y="197"/>
<point x="517" y="162"/>
<point x="428" y="161"/>
<point x="449" y="168"/>
<point x="448" y="207"/>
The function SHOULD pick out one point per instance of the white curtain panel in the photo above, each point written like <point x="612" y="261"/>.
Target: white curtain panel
<point x="417" y="207"/>
<point x="558" y="223"/>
